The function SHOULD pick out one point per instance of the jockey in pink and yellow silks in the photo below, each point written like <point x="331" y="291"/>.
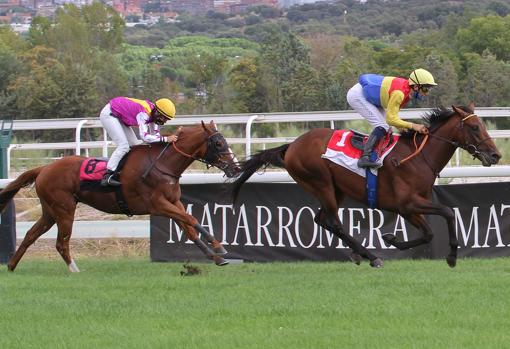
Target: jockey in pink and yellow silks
<point x="120" y="114"/>
<point x="379" y="99"/>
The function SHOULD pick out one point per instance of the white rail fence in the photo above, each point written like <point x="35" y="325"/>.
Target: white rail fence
<point x="248" y="120"/>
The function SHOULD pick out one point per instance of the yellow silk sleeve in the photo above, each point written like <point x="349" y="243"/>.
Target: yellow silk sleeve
<point x="392" y="110"/>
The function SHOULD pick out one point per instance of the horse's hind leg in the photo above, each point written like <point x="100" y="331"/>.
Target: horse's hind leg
<point x="65" y="227"/>
<point x="332" y="223"/>
<point x="327" y="217"/>
<point x="319" y="219"/>
<point x="40" y="227"/>
<point x="64" y="216"/>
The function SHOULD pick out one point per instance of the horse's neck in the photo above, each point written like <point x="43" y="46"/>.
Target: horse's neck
<point x="179" y="166"/>
<point x="439" y="152"/>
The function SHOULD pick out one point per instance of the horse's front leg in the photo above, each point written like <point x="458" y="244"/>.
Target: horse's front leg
<point x="424" y="206"/>
<point x="186" y="222"/>
<point x="216" y="245"/>
<point x="419" y="222"/>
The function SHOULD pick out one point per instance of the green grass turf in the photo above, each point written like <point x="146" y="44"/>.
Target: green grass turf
<point x="132" y="303"/>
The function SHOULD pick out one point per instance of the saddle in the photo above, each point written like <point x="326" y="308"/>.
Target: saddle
<point x="359" y="139"/>
<point x="345" y="148"/>
<point x="92" y="171"/>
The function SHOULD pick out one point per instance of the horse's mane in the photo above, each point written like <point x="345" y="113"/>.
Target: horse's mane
<point x="434" y="118"/>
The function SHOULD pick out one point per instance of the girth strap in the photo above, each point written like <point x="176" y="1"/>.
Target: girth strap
<point x="121" y="201"/>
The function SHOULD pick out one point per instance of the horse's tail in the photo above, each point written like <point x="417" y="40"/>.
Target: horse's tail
<point x="273" y="156"/>
<point x="25" y="179"/>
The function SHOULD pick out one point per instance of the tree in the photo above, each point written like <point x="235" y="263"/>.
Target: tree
<point x="208" y="71"/>
<point x="487" y="33"/>
<point x="37" y="91"/>
<point x="357" y="58"/>
<point x="246" y="91"/>
<point x="283" y="55"/>
<point x="487" y="80"/>
<point x="302" y="90"/>
<point x="446" y="93"/>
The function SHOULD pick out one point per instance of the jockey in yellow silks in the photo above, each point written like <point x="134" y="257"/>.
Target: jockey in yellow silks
<point x="379" y="99"/>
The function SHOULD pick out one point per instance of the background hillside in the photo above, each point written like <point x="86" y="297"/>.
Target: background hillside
<point x="265" y="60"/>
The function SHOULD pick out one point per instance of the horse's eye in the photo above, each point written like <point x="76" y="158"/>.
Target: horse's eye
<point x="475" y="128"/>
<point x="219" y="144"/>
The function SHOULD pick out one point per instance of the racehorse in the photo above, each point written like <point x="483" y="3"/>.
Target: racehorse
<point x="403" y="187"/>
<point x="150" y="185"/>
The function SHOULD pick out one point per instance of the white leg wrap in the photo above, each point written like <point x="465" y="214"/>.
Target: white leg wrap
<point x="73" y="268"/>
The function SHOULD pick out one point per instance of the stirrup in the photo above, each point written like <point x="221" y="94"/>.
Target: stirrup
<point x="364" y="162"/>
<point x="108" y="180"/>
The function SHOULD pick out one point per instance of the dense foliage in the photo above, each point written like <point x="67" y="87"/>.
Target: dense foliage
<point x="264" y="60"/>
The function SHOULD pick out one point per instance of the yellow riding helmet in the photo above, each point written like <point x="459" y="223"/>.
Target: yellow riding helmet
<point x="421" y="77"/>
<point x="166" y="107"/>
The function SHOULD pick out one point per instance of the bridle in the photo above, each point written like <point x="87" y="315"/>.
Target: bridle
<point x="469" y="147"/>
<point x="212" y="157"/>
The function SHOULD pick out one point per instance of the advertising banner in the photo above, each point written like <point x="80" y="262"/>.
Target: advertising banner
<point x="274" y="222"/>
<point x="7" y="233"/>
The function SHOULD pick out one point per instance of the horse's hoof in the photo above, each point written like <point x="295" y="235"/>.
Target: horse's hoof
<point x="389" y="238"/>
<point x="452" y="261"/>
<point x="220" y="250"/>
<point x="356" y="258"/>
<point x="376" y="263"/>
<point x="10" y="267"/>
<point x="220" y="261"/>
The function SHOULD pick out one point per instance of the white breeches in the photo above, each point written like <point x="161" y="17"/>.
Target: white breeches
<point x="374" y="115"/>
<point x="123" y="136"/>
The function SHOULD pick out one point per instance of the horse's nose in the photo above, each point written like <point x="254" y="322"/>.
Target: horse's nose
<point x="232" y="171"/>
<point x="235" y="171"/>
<point x="495" y="156"/>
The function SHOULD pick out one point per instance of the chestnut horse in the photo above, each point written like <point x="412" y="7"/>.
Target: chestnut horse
<point x="150" y="185"/>
<point x="404" y="189"/>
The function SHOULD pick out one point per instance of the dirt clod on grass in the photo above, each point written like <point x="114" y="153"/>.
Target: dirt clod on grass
<point x="190" y="270"/>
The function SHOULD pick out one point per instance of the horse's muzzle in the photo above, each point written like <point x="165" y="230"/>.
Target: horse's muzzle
<point x="489" y="158"/>
<point x="232" y="171"/>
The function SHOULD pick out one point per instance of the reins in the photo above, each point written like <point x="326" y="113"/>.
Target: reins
<point x="467" y="147"/>
<point x="416" y="152"/>
<point x="180" y="151"/>
<point x="192" y="156"/>
<point x="153" y="163"/>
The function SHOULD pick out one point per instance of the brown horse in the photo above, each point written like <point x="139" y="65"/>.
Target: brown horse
<point x="150" y="185"/>
<point x="405" y="189"/>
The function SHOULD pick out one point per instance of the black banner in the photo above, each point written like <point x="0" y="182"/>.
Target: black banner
<point x="7" y="233"/>
<point x="274" y="222"/>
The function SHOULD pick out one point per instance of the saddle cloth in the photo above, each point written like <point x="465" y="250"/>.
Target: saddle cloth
<point x="341" y="151"/>
<point x="93" y="169"/>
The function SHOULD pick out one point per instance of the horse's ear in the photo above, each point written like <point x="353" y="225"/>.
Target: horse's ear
<point x="203" y="125"/>
<point x="471" y="106"/>
<point x="458" y="110"/>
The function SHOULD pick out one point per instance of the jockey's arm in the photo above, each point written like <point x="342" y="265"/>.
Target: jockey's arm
<point x="149" y="131"/>
<point x="392" y="110"/>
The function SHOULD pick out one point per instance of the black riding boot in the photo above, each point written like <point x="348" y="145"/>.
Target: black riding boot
<point x="109" y="179"/>
<point x="374" y="138"/>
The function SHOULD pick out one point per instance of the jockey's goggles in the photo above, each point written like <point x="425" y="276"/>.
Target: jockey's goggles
<point x="425" y="89"/>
